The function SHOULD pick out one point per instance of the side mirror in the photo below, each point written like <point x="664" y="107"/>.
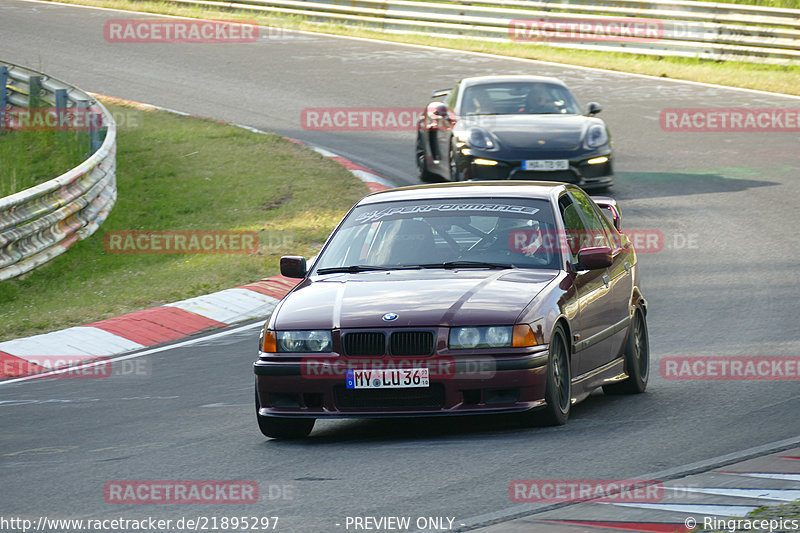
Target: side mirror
<point x="593" y="108"/>
<point x="437" y="109"/>
<point x="594" y="258"/>
<point x="293" y="266"/>
<point x="440" y="92"/>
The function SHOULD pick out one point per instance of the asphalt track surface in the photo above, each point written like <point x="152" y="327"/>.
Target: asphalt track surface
<point x="732" y="290"/>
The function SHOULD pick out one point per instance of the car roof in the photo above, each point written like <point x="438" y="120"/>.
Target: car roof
<point x="470" y="189"/>
<point x="480" y="80"/>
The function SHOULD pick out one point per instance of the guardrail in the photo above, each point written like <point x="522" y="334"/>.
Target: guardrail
<point x="42" y="222"/>
<point x="686" y="28"/>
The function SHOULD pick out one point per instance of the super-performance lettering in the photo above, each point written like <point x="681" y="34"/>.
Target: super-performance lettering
<point x="372" y="216"/>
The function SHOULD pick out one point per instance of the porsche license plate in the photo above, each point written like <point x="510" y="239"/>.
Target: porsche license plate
<point x="387" y="378"/>
<point x="545" y="164"/>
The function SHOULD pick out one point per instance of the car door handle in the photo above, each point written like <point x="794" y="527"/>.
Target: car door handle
<point x="606" y="280"/>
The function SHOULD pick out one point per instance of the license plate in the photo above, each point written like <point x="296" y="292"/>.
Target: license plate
<point x="387" y="378"/>
<point x="545" y="164"/>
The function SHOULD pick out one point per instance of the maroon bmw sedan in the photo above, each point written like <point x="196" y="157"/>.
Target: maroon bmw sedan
<point x="464" y="298"/>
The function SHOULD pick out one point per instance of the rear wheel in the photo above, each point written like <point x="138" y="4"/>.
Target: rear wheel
<point x="453" y="164"/>
<point x="558" y="391"/>
<point x="284" y="428"/>
<point x="637" y="358"/>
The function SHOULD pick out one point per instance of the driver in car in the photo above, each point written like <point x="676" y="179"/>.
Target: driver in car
<point x="539" y="101"/>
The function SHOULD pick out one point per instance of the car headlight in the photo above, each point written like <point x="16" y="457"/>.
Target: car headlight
<point x="301" y="341"/>
<point x="461" y="338"/>
<point x="481" y="139"/>
<point x="498" y="337"/>
<point x="467" y="338"/>
<point x="484" y="337"/>
<point x="597" y="136"/>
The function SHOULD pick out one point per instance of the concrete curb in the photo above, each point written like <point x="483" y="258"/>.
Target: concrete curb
<point x="716" y="492"/>
<point x="170" y="322"/>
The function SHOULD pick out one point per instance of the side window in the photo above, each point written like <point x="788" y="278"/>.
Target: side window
<point x="573" y="224"/>
<point x="595" y="234"/>
<point x="611" y="232"/>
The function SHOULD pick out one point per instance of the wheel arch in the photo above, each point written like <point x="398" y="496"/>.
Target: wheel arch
<point x="562" y="320"/>
<point x="638" y="299"/>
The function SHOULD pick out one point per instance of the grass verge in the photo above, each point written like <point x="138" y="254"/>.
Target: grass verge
<point x="183" y="173"/>
<point x="772" y="78"/>
<point x="33" y="157"/>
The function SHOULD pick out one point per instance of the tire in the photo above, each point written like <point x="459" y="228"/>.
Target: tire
<point x="558" y="391"/>
<point x="284" y="428"/>
<point x="637" y="358"/>
<point x="423" y="173"/>
<point x="452" y="164"/>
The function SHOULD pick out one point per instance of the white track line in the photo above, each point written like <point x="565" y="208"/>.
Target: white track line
<point x="711" y="510"/>
<point x="782" y="495"/>
<point x="782" y="477"/>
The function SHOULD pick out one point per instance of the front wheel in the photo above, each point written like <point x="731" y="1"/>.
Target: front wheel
<point x="637" y="358"/>
<point x="454" y="175"/>
<point x="558" y="390"/>
<point x="284" y="428"/>
<point x="422" y="168"/>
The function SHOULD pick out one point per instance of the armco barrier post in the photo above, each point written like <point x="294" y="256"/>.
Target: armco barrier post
<point x="35" y="92"/>
<point x="3" y="95"/>
<point x="95" y="122"/>
<point x="61" y="107"/>
<point x="83" y="107"/>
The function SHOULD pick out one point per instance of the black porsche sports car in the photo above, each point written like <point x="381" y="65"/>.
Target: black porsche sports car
<point x="513" y="127"/>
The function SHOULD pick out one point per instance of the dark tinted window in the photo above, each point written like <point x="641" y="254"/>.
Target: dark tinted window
<point x="518" y="98"/>
<point x="584" y="226"/>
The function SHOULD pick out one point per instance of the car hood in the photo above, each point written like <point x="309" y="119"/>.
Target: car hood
<point x="419" y="298"/>
<point x="535" y="132"/>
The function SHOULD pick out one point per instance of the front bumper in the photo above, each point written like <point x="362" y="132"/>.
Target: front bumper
<point x="471" y="385"/>
<point x="580" y="172"/>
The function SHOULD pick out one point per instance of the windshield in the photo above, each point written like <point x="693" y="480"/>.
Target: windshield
<point x="518" y="98"/>
<point x="478" y="233"/>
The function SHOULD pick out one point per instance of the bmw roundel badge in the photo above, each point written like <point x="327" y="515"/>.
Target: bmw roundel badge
<point x="388" y="317"/>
